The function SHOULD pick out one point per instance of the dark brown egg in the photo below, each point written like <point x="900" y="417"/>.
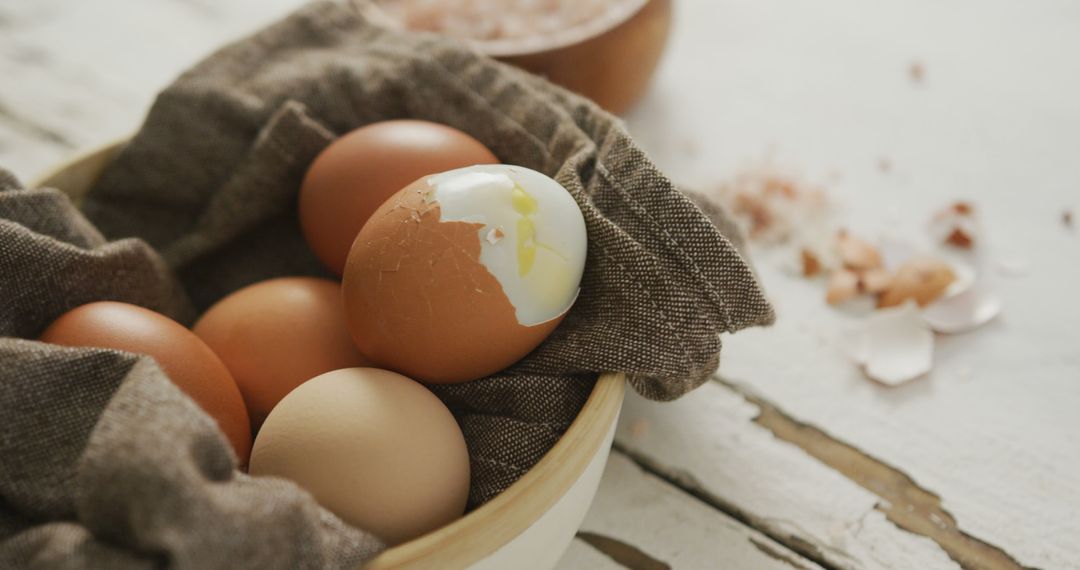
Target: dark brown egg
<point x="349" y="180"/>
<point x="186" y="359"/>
<point x="275" y="335"/>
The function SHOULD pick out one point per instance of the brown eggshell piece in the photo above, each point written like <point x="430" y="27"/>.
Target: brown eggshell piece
<point x="353" y="176"/>
<point x="184" y="357"/>
<point x="843" y="285"/>
<point x="856" y="253"/>
<point x="811" y="265"/>
<point x="874" y="281"/>
<point x="276" y="334"/>
<point x="418" y="300"/>
<point x="922" y="279"/>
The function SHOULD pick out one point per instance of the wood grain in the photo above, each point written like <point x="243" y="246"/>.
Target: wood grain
<point x="581" y="556"/>
<point x="824" y="91"/>
<point x="644" y="522"/>
<point x="708" y="445"/>
<point x="824" y="88"/>
<point x="904" y="502"/>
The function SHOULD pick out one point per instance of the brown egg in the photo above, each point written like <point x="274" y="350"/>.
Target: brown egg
<point x="276" y="334"/>
<point x="349" y="180"/>
<point x="186" y="359"/>
<point x="374" y="447"/>
<point x="463" y="273"/>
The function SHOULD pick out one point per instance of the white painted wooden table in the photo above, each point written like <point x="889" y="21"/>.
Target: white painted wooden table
<point x="790" y="458"/>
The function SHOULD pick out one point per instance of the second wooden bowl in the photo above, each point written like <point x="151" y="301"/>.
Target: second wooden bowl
<point x="609" y="58"/>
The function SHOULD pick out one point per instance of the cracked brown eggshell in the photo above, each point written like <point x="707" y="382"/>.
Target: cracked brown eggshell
<point x="921" y="279"/>
<point x="353" y="176"/>
<point x="418" y="298"/>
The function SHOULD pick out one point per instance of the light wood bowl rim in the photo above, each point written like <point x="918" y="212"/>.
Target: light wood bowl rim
<point x="497" y="522"/>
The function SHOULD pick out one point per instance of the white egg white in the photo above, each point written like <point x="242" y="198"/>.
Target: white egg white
<point x="533" y="238"/>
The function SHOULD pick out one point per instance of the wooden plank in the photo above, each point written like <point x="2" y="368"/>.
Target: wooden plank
<point x="708" y="444"/>
<point x="79" y="74"/>
<point x="826" y="89"/>
<point x="44" y="125"/>
<point x="646" y="523"/>
<point x="994" y="118"/>
<point x="24" y="156"/>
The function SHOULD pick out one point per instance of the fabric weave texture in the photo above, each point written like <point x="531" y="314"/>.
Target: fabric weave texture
<point x="104" y="463"/>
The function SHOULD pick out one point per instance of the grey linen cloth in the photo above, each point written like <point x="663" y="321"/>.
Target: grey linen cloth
<point x="103" y="463"/>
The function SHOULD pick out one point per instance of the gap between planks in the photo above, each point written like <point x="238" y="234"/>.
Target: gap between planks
<point x="631" y="557"/>
<point x="689" y="485"/>
<point x="622" y="553"/>
<point x="903" y="501"/>
<point x="641" y="522"/>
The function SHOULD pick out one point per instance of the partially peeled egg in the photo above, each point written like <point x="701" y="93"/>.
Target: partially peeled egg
<point x="463" y="273"/>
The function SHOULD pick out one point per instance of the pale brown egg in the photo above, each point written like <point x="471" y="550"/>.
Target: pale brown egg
<point x="375" y="448"/>
<point x="353" y="176"/>
<point x="186" y="359"/>
<point x="463" y="273"/>
<point x="276" y="334"/>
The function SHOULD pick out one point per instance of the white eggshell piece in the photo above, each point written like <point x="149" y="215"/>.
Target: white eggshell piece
<point x="962" y="312"/>
<point x="540" y="256"/>
<point x="894" y="345"/>
<point x="965" y="279"/>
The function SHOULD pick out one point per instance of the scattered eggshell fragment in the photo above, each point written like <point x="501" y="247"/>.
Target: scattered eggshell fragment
<point x="495" y="235"/>
<point x="956" y="225"/>
<point x="811" y="265"/>
<point x="1067" y="219"/>
<point x="960" y="237"/>
<point x="843" y="285"/>
<point x="894" y="345"/>
<point x="772" y="206"/>
<point x="962" y="312"/>
<point x="755" y="212"/>
<point x="820" y="244"/>
<point x="965" y="278"/>
<point x="874" y="281"/>
<point x="856" y="253"/>
<point x="962" y="208"/>
<point x="921" y="279"/>
<point x="916" y="71"/>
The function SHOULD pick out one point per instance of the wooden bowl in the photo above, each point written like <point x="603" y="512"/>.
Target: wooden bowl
<point x="530" y="524"/>
<point x="609" y="59"/>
